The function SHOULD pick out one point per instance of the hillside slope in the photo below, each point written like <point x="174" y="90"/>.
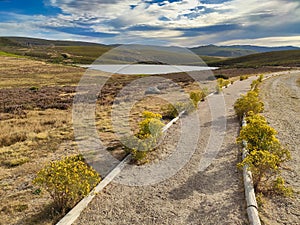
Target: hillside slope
<point x="279" y="58"/>
<point x="76" y="52"/>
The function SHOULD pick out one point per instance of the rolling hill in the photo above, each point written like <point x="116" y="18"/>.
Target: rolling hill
<point x="76" y="52"/>
<point x="276" y="58"/>
<point x="237" y="50"/>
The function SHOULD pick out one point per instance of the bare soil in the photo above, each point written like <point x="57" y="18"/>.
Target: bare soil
<point x="213" y="196"/>
<point x="282" y="106"/>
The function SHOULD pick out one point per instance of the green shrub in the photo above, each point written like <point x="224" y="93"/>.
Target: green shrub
<point x="226" y="83"/>
<point x="247" y="103"/>
<point x="243" y="77"/>
<point x="67" y="181"/>
<point x="262" y="165"/>
<point x="34" y="88"/>
<point x="197" y="96"/>
<point x="220" y="82"/>
<point x="254" y="85"/>
<point x="150" y="130"/>
<point x="172" y="111"/>
<point x="151" y="125"/>
<point x="279" y="187"/>
<point x="265" y="152"/>
<point x="260" y="136"/>
<point x="260" y="78"/>
<point x="218" y="89"/>
<point x="221" y="76"/>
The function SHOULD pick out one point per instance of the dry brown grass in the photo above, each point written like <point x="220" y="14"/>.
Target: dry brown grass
<point x="29" y="143"/>
<point x="35" y="129"/>
<point x="22" y="72"/>
<point x="31" y="134"/>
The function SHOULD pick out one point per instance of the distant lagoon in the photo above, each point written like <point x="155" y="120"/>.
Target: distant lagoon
<point x="146" y="68"/>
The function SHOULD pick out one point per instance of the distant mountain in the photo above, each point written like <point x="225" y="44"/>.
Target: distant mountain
<point x="78" y="52"/>
<point x="25" y="41"/>
<point x="289" y="58"/>
<point x="262" y="48"/>
<point x="221" y="51"/>
<point x="237" y="50"/>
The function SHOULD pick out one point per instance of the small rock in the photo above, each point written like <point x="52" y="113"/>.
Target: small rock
<point x="152" y="90"/>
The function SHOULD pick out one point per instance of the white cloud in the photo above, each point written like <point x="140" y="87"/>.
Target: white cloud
<point x="268" y="41"/>
<point x="252" y="20"/>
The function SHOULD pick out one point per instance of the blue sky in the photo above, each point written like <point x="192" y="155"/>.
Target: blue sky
<point x="160" y="22"/>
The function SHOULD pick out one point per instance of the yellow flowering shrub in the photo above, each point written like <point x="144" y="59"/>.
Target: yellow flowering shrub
<point x="260" y="78"/>
<point x="247" y="103"/>
<point x="222" y="83"/>
<point x="265" y="152"/>
<point x="255" y="83"/>
<point x="150" y="130"/>
<point x="197" y="96"/>
<point x="67" y="181"/>
<point x="280" y="187"/>
<point x="260" y="136"/>
<point x="243" y="77"/>
<point x="151" y="125"/>
<point x="172" y="111"/>
<point x="262" y="164"/>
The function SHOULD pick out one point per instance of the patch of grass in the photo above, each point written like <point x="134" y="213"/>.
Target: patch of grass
<point x="16" y="162"/>
<point x="7" y="54"/>
<point x="30" y="73"/>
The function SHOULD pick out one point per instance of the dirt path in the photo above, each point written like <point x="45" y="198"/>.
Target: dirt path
<point x="282" y="106"/>
<point x="214" y="196"/>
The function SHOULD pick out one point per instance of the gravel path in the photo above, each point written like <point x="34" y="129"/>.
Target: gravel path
<point x="282" y="106"/>
<point x="214" y="196"/>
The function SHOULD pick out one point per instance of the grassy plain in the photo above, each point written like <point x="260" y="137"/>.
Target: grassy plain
<point x="36" y="127"/>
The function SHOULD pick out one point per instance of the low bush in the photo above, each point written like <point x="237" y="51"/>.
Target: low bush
<point x="171" y="111"/>
<point x="262" y="164"/>
<point x="260" y="78"/>
<point x="243" y="77"/>
<point x="221" y="76"/>
<point x="279" y="187"/>
<point x="247" y="103"/>
<point x="151" y="125"/>
<point x="265" y="153"/>
<point x="256" y="83"/>
<point x="150" y="130"/>
<point x="258" y="134"/>
<point x="218" y="89"/>
<point x="197" y="96"/>
<point x="67" y="181"/>
<point x="34" y="88"/>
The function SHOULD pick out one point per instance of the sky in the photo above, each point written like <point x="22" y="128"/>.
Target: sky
<point x="185" y="23"/>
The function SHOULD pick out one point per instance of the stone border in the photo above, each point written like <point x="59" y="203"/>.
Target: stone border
<point x="72" y="215"/>
<point x="252" y="208"/>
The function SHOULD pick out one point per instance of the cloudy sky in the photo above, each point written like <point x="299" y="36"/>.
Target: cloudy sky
<point x="159" y="22"/>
